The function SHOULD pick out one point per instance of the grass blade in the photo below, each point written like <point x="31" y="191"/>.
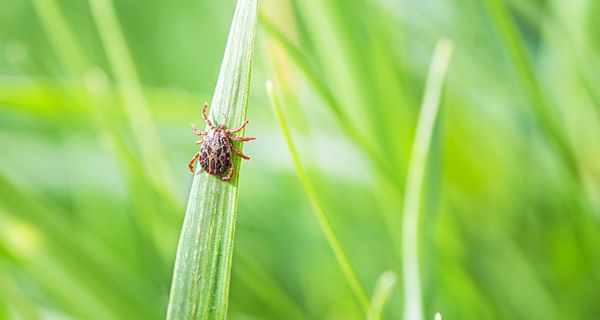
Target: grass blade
<point x="130" y="90"/>
<point x="200" y="284"/>
<point x="313" y="76"/>
<point x="541" y="106"/>
<point x="381" y="294"/>
<point x="61" y="37"/>
<point x="89" y="90"/>
<point x="322" y="216"/>
<point x="414" y="182"/>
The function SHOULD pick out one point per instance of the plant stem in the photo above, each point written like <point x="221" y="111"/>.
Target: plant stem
<point x="381" y="294"/>
<point x="541" y="106"/>
<point x="414" y="182"/>
<point x="322" y="216"/>
<point x="130" y="90"/>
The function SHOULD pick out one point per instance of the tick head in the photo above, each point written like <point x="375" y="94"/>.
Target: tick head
<point x="220" y="127"/>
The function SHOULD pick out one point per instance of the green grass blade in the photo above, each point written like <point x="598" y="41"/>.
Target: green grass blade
<point x="131" y="93"/>
<point x="542" y="108"/>
<point x="14" y="297"/>
<point x="88" y="92"/>
<point x="322" y="216"/>
<point x="61" y="37"/>
<point x="381" y="294"/>
<point x="93" y="262"/>
<point x="313" y="76"/>
<point x="200" y="284"/>
<point x="414" y="181"/>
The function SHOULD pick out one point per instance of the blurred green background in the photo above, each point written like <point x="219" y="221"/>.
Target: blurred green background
<point x="94" y="142"/>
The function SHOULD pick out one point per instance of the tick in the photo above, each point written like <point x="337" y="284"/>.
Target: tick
<point x="215" y="154"/>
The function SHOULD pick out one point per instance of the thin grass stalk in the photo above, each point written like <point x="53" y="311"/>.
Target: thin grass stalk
<point x="542" y="108"/>
<point x="89" y="90"/>
<point x="313" y="76"/>
<point x="132" y="96"/>
<point x="319" y="210"/>
<point x="381" y="294"/>
<point x="11" y="293"/>
<point x="414" y="182"/>
<point x="61" y="37"/>
<point x="103" y="271"/>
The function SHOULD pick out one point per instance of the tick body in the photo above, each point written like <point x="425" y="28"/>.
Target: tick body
<point x="215" y="154"/>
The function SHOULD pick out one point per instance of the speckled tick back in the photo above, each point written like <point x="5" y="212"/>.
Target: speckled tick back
<point x="215" y="153"/>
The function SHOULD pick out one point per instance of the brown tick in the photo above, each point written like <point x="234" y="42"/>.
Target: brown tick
<point x="215" y="153"/>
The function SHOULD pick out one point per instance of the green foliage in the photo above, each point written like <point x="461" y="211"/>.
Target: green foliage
<point x="96" y="98"/>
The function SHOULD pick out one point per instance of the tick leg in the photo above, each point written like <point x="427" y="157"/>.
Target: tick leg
<point x="230" y="175"/>
<point x="238" y="129"/>
<point x="205" y="117"/>
<point x="242" y="139"/>
<point x="196" y="156"/>
<point x="199" y="141"/>
<point x="198" y="132"/>
<point x="239" y="152"/>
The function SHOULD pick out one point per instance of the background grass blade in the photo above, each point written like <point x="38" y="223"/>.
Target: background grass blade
<point x="130" y="90"/>
<point x="297" y="56"/>
<point x="414" y="182"/>
<point x="322" y="216"/>
<point x="544" y="111"/>
<point x="200" y="284"/>
<point x="89" y="90"/>
<point x="381" y="294"/>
